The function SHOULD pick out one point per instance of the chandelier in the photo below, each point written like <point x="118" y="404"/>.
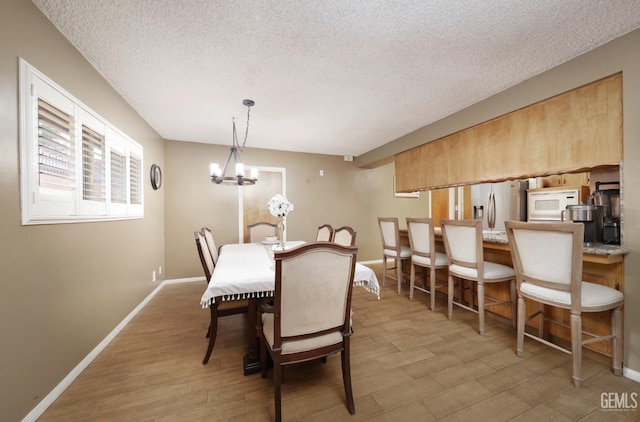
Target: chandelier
<point x="220" y="175"/>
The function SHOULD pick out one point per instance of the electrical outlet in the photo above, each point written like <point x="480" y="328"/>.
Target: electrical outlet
<point x="160" y="270"/>
<point x="153" y="276"/>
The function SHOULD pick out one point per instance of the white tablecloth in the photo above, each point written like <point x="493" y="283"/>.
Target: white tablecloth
<point x="247" y="271"/>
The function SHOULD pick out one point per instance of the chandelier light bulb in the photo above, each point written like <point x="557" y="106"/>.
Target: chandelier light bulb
<point x="239" y="169"/>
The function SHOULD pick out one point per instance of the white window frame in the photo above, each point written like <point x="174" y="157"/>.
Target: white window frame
<point x="41" y="205"/>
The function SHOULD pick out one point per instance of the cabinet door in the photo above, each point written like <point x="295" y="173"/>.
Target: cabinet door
<point x="439" y="205"/>
<point x="567" y="179"/>
<point x="575" y="179"/>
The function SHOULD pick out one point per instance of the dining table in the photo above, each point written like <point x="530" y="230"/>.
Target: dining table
<point x="247" y="271"/>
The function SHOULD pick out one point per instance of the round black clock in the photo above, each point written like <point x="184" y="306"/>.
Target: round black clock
<point x="156" y="177"/>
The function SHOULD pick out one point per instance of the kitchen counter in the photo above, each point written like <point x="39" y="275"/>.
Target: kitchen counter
<point x="596" y="249"/>
<point x="602" y="264"/>
<point x="497" y="239"/>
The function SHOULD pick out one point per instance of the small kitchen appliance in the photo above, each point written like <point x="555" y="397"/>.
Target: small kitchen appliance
<point x="591" y="216"/>
<point x="547" y="204"/>
<point x="609" y="199"/>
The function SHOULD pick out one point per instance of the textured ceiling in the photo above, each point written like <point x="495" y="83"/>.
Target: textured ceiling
<point x="328" y="76"/>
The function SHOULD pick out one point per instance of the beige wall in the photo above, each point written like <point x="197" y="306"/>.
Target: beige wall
<point x="53" y="312"/>
<point x="618" y="55"/>
<point x="63" y="287"/>
<point x="344" y="195"/>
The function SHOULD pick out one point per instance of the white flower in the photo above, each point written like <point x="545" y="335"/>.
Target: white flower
<point x="279" y="206"/>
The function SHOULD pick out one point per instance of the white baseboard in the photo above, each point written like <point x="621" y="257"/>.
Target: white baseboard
<point x="373" y="262"/>
<point x="37" y="411"/>
<point x="184" y="280"/>
<point x="631" y="374"/>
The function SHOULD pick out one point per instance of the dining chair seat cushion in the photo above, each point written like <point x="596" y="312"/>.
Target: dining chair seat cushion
<point x="297" y="346"/>
<point x="405" y="252"/>
<point x="595" y="297"/>
<point x="492" y="271"/>
<point x="425" y="261"/>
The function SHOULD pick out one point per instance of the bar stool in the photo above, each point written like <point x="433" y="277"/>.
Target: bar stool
<point x="547" y="258"/>
<point x="463" y="243"/>
<point x="424" y="255"/>
<point x="391" y="248"/>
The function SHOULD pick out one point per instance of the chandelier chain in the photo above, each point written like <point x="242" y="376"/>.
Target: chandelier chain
<point x="246" y="133"/>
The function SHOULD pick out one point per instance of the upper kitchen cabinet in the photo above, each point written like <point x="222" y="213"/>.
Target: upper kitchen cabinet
<point x="567" y="179"/>
<point x="577" y="130"/>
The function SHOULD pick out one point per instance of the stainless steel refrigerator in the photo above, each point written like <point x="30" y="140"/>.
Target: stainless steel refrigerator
<point x="510" y="199"/>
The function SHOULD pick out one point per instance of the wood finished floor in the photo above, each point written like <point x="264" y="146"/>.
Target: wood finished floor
<point x="408" y="364"/>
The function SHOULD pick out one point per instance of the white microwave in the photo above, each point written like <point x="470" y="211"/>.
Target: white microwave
<point x="546" y="204"/>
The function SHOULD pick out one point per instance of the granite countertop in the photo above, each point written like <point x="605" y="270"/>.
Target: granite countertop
<point x="494" y="236"/>
<point x="596" y="249"/>
<point x="500" y="237"/>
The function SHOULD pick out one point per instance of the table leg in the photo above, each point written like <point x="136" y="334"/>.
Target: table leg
<point x="252" y="358"/>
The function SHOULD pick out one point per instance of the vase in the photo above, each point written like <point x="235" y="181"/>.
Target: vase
<point x="281" y="234"/>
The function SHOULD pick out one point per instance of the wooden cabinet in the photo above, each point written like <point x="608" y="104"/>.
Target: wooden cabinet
<point x="568" y="179"/>
<point x="576" y="130"/>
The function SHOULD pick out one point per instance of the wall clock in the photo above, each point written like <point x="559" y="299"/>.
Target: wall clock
<point x="156" y="176"/>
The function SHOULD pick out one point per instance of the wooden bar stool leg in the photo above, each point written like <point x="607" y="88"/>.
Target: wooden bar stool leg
<point x="412" y="280"/>
<point x="450" y="297"/>
<point x="384" y="269"/>
<point x="399" y="273"/>
<point x="522" y="320"/>
<point x="481" y="306"/>
<point x="432" y="288"/>
<point x="616" y="330"/>
<point x="576" y="347"/>
<point x="512" y="291"/>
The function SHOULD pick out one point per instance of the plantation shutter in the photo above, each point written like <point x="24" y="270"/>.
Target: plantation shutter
<point x="56" y="148"/>
<point x="93" y="166"/>
<point x="74" y="165"/>
<point x="135" y="180"/>
<point x="118" y="178"/>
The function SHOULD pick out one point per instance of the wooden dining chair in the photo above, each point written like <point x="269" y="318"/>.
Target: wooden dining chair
<point x="345" y="236"/>
<point x="463" y="244"/>
<point x="259" y="231"/>
<point x="547" y="258"/>
<point x="205" y="256"/>
<point x="325" y="233"/>
<point x="424" y="256"/>
<point x="310" y="316"/>
<point x="211" y="244"/>
<point x="392" y="249"/>
<point x="218" y="307"/>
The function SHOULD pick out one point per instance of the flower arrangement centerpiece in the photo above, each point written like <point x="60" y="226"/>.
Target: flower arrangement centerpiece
<point x="279" y="206"/>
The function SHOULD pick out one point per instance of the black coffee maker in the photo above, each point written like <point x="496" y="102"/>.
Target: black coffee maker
<point x="591" y="216"/>
<point x="610" y="200"/>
